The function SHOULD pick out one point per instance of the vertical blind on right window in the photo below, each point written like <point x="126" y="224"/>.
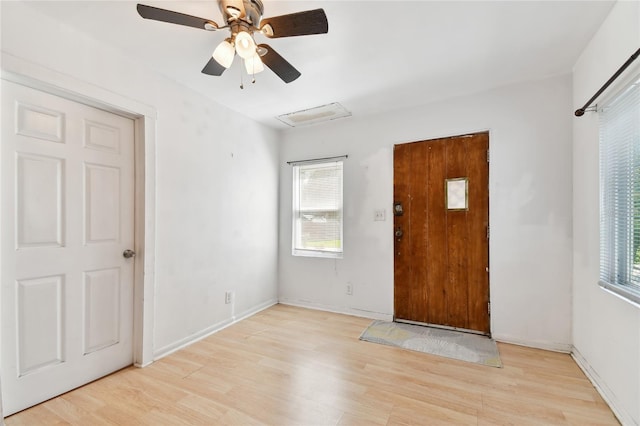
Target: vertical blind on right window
<point x="620" y="194"/>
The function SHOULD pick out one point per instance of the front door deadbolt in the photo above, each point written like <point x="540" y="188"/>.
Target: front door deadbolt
<point x="397" y="209"/>
<point x="399" y="233"/>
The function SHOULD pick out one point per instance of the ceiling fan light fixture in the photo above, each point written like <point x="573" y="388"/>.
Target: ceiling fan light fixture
<point x="245" y="46"/>
<point x="243" y="19"/>
<point x="224" y="53"/>
<point x="254" y="64"/>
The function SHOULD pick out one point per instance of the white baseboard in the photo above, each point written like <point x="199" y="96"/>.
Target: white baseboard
<point x="182" y="343"/>
<point x="547" y="346"/>
<point x="607" y="394"/>
<point x="337" y="309"/>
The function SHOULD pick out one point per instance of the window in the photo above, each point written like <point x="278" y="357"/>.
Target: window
<point x="620" y="194"/>
<point x="317" y="209"/>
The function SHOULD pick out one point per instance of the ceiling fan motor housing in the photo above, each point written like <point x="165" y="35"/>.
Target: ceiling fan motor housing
<point x="249" y="11"/>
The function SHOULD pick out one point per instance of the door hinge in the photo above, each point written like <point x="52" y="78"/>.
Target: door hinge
<point x="488" y="232"/>
<point x="488" y="156"/>
<point x="489" y="308"/>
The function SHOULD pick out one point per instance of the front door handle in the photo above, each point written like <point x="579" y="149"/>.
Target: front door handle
<point x="128" y="254"/>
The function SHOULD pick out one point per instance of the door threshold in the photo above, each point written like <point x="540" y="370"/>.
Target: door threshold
<point x="444" y="327"/>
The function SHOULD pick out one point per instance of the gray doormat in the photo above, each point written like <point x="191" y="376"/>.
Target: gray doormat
<point x="451" y="344"/>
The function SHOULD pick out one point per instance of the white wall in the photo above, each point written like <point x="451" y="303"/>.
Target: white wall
<point x="217" y="181"/>
<point x="530" y="207"/>
<point x="606" y="330"/>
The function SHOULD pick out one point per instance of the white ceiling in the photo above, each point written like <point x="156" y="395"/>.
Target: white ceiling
<point x="377" y="56"/>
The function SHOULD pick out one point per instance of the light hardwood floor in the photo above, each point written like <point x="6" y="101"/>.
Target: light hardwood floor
<point x="293" y="366"/>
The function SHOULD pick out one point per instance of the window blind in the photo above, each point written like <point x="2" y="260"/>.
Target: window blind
<point x="620" y="193"/>
<point x="317" y="209"/>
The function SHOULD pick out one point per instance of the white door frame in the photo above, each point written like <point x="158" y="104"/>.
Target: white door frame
<point x="38" y="77"/>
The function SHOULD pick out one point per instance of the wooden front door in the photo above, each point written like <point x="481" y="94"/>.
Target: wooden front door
<point x="441" y="219"/>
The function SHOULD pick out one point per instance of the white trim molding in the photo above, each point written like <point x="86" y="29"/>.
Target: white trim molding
<point x="202" y="334"/>
<point x="345" y="310"/>
<point x="607" y="394"/>
<point x="537" y="344"/>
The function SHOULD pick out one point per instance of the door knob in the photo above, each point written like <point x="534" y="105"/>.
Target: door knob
<point x="398" y="232"/>
<point x="128" y="254"/>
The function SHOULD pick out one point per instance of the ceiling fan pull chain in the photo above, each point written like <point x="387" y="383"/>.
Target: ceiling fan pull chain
<point x="241" y="83"/>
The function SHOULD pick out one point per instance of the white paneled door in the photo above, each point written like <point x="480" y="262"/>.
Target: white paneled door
<point x="67" y="176"/>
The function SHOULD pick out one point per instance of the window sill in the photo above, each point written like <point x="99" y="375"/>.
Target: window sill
<point x="315" y="253"/>
<point x="626" y="293"/>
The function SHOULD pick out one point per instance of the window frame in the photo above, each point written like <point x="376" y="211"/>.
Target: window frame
<point x="297" y="212"/>
<point x="612" y="274"/>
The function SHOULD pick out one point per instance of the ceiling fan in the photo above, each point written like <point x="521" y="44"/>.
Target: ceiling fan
<point x="244" y="19"/>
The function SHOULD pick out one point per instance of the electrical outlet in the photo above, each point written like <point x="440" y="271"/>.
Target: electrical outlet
<point x="228" y="297"/>
<point x="349" y="289"/>
<point x="379" y="215"/>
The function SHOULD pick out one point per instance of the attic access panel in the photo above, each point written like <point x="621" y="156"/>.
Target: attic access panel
<point x="315" y="115"/>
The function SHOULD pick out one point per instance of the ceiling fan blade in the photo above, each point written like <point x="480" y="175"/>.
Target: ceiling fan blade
<point x="213" y="68"/>
<point x="164" y="15"/>
<point x="296" y="24"/>
<point x="279" y="65"/>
